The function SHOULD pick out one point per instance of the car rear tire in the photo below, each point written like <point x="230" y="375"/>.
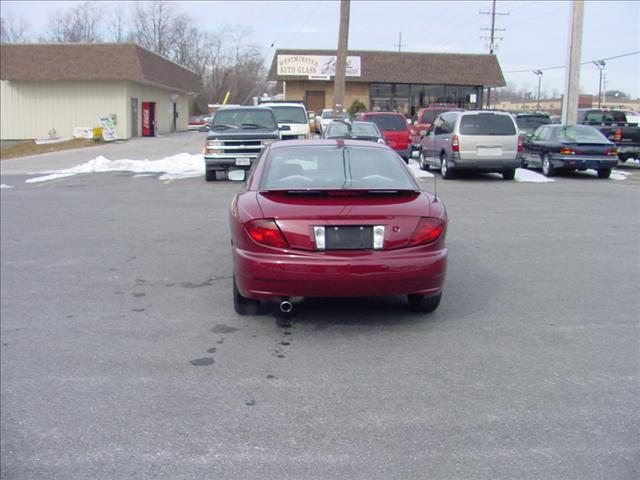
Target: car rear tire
<point x="421" y="303"/>
<point x="423" y="163"/>
<point x="509" y="174"/>
<point x="210" y="175"/>
<point x="243" y="305"/>
<point x="445" y="169"/>
<point x="604" y="172"/>
<point x="548" y="170"/>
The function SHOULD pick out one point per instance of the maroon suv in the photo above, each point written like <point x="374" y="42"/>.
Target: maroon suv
<point x="394" y="129"/>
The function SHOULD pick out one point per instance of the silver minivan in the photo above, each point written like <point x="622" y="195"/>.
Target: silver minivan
<point x="484" y="141"/>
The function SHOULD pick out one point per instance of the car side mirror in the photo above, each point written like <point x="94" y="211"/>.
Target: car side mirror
<point x="284" y="128"/>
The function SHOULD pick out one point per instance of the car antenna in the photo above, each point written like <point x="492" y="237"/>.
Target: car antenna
<point x="435" y="188"/>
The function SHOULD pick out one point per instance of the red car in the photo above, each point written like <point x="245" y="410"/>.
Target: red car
<point x="395" y="130"/>
<point x="426" y="116"/>
<point x="335" y="218"/>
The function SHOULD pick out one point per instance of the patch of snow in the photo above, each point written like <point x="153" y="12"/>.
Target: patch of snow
<point x="414" y="166"/>
<point x="139" y="175"/>
<point x="4" y="185"/>
<point x="615" y="174"/>
<point x="178" y="166"/>
<point x="524" y="175"/>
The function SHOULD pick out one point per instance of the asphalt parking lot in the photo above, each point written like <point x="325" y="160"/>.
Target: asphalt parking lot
<point x="122" y="356"/>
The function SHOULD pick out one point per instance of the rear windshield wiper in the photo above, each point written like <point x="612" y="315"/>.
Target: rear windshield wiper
<point x="223" y="126"/>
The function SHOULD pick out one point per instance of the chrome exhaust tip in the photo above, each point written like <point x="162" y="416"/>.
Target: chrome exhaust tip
<point x="286" y="306"/>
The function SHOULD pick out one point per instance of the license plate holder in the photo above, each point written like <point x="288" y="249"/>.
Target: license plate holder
<point x="243" y="161"/>
<point x="349" y="237"/>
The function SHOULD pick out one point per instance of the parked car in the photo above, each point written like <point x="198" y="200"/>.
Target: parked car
<point x="614" y="125"/>
<point x="236" y="138"/>
<point x="484" y="141"/>
<point x="335" y="218"/>
<point x="327" y="116"/>
<point x="528" y="123"/>
<point x="394" y="129"/>
<point x="354" y="130"/>
<point x="293" y="115"/>
<point x="575" y="147"/>
<point x="426" y="115"/>
<point x="197" y="122"/>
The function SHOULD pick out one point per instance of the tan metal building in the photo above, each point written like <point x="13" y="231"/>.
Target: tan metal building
<point x="45" y="87"/>
<point x="398" y="81"/>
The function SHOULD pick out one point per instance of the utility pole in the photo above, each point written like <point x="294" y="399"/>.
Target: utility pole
<point x="341" y="60"/>
<point x="492" y="38"/>
<point x="399" y="44"/>
<point x="600" y="64"/>
<point x="572" y="79"/>
<point x="539" y="74"/>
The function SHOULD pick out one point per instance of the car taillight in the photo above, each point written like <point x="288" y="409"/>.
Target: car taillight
<point x="266" y="231"/>
<point x="567" y="151"/>
<point x="613" y="152"/>
<point x="618" y="135"/>
<point x="520" y="145"/>
<point x="455" y="143"/>
<point x="428" y="230"/>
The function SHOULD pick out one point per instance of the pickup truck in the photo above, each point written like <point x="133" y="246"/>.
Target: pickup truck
<point x="614" y="125"/>
<point x="237" y="137"/>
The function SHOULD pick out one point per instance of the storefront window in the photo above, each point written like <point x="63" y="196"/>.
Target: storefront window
<point x="407" y="99"/>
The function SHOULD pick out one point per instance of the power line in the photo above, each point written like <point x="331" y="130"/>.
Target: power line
<point x="583" y="63"/>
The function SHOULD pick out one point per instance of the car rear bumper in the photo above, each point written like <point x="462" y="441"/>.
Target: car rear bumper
<point x="226" y="163"/>
<point x="582" y="162"/>
<point x="484" y="164"/>
<point x="326" y="274"/>
<point x="404" y="152"/>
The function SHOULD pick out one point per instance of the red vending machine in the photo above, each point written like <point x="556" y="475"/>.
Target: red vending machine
<point x="148" y="119"/>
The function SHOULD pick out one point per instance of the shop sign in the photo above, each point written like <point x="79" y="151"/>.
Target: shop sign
<point x="315" y="66"/>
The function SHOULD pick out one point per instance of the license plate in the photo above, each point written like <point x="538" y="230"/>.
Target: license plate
<point x="489" y="151"/>
<point x="349" y="237"/>
<point x="243" y="161"/>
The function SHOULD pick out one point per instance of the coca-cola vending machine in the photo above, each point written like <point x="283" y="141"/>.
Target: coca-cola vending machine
<point x="148" y="119"/>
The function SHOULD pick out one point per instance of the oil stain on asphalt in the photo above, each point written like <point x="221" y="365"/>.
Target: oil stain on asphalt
<point x="202" y="362"/>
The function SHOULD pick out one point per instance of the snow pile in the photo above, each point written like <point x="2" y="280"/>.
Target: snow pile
<point x="414" y="166"/>
<point x="526" y="175"/>
<point x="615" y="174"/>
<point x="182" y="165"/>
<point x="4" y="185"/>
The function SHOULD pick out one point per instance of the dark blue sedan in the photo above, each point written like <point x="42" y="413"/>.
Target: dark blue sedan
<point x="573" y="147"/>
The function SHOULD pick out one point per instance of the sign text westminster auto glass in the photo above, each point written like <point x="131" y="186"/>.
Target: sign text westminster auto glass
<point x="306" y="65"/>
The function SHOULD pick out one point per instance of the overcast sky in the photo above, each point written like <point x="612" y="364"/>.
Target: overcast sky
<point x="535" y="36"/>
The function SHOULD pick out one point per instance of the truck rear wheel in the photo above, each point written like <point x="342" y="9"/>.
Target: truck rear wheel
<point x="210" y="175"/>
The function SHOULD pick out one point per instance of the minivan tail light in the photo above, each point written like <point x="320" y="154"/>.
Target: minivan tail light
<point x="429" y="229"/>
<point x="567" y="151"/>
<point x="618" y="135"/>
<point x="612" y="153"/>
<point x="455" y="143"/>
<point x="520" y="145"/>
<point x="266" y="232"/>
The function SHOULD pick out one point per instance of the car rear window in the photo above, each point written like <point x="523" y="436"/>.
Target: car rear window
<point x="579" y="134"/>
<point x="388" y="122"/>
<point x="532" y="122"/>
<point x="487" y="124"/>
<point x="428" y="116"/>
<point x="364" y="129"/>
<point x="331" y="167"/>
<point x="289" y="114"/>
<point x="610" y="116"/>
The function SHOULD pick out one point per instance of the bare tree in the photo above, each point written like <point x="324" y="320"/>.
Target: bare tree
<point x="153" y="26"/>
<point x="117" y="24"/>
<point x="13" y="30"/>
<point x="78" y="24"/>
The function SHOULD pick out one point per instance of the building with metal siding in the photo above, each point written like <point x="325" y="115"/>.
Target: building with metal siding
<point x="59" y="87"/>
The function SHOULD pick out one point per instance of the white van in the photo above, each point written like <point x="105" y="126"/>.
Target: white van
<point x="295" y="116"/>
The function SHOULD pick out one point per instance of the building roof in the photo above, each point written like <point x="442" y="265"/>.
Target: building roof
<point x="413" y="67"/>
<point x="93" y="61"/>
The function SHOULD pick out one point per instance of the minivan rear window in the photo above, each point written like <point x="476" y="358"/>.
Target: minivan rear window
<point x="388" y="122"/>
<point x="487" y="124"/>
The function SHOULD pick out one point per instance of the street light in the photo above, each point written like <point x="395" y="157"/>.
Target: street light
<point x="600" y="64"/>
<point x="539" y="74"/>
